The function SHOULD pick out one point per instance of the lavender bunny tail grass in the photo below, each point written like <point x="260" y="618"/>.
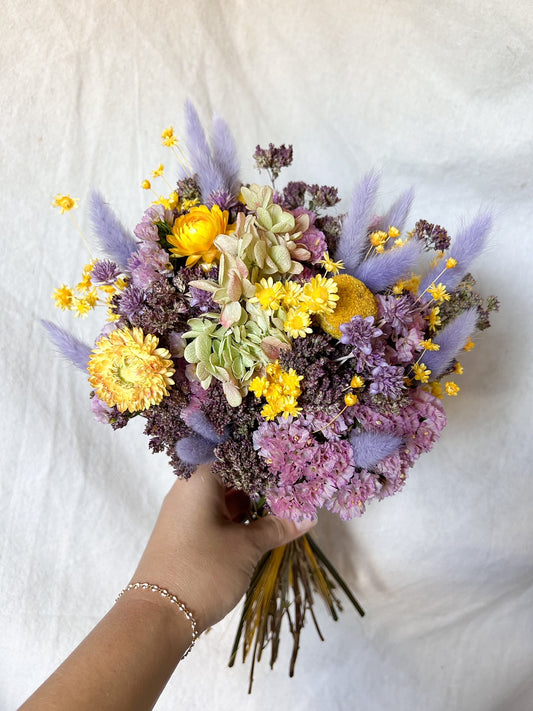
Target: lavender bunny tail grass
<point x="353" y="242"/>
<point x="75" y="351"/>
<point x="468" y="245"/>
<point x="113" y="237"/>
<point x="225" y="155"/>
<point x="397" y="214"/>
<point x="384" y="270"/>
<point x="369" y="448"/>
<point x="450" y="340"/>
<point x="196" y="450"/>
<point x="217" y="170"/>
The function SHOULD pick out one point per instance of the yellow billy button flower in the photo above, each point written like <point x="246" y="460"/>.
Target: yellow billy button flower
<point x="63" y="297"/>
<point x="146" y="185"/>
<point x="194" y="233"/>
<point x="451" y="388"/>
<point x="354" y="299"/>
<point x="168" y="138"/>
<point x="421" y="372"/>
<point x="350" y="399"/>
<point x="268" y="294"/>
<point x="128" y="370"/>
<point x="469" y="345"/>
<point x="298" y="323"/>
<point x="438" y="292"/>
<point x="65" y="203"/>
<point x="428" y="345"/>
<point x="320" y="295"/>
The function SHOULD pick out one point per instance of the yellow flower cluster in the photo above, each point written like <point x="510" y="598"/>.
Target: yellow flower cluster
<point x="85" y="295"/>
<point x="65" y="203"/>
<point x="128" y="370"/>
<point x="281" y="390"/>
<point x="317" y="296"/>
<point x="379" y="238"/>
<point x="412" y="284"/>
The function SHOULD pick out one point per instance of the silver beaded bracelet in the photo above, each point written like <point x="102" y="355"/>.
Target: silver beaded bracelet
<point x="171" y="598"/>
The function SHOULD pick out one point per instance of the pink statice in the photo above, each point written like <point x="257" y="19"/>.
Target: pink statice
<point x="306" y="473"/>
<point x="349" y="501"/>
<point x="146" y="230"/>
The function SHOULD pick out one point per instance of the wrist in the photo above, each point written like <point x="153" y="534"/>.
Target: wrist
<point x="154" y="606"/>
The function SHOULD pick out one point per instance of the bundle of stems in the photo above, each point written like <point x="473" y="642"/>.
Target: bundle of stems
<point x="284" y="584"/>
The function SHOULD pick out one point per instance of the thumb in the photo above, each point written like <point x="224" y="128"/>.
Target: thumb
<point x="270" y="532"/>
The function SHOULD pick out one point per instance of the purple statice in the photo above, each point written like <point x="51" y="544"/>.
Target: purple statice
<point x="130" y="302"/>
<point x="105" y="272"/>
<point x="387" y="380"/>
<point x="147" y="230"/>
<point x="433" y="236"/>
<point x="363" y="335"/>
<point x="273" y="159"/>
<point x="147" y="264"/>
<point x="397" y="313"/>
<point x="406" y="346"/>
<point x="312" y="238"/>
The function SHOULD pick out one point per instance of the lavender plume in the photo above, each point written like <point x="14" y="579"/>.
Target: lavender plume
<point x="225" y="155"/>
<point x="369" y="448"/>
<point x="200" y="424"/>
<point x="114" y="239"/>
<point x="202" y="160"/>
<point x="353" y="240"/>
<point x="468" y="245"/>
<point x="451" y="339"/>
<point x="383" y="270"/>
<point x="195" y="450"/>
<point x="69" y="347"/>
<point x="396" y="215"/>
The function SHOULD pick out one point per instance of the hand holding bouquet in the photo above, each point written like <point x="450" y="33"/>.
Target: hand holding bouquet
<point x="303" y="353"/>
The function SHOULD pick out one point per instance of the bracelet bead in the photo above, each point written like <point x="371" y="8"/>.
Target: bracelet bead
<point x="172" y="599"/>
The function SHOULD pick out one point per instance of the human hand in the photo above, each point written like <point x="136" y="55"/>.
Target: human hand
<point x="200" y="554"/>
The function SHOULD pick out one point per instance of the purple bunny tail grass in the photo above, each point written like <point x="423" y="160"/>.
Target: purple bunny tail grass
<point x="200" y="153"/>
<point x="195" y="450"/>
<point x="200" y="424"/>
<point x="451" y="340"/>
<point x="384" y="270"/>
<point x="68" y="346"/>
<point x="225" y="155"/>
<point x="397" y="214"/>
<point x="468" y="245"/>
<point x="114" y="239"/>
<point x="369" y="448"/>
<point x="353" y="240"/>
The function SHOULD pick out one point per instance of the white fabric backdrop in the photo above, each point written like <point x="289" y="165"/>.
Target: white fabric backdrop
<point x="436" y="95"/>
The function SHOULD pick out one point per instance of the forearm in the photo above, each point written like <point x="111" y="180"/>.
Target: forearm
<point x="124" y="663"/>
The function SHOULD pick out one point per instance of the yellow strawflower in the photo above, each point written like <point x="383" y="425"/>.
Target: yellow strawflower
<point x="65" y="203"/>
<point x="168" y="138"/>
<point x="428" y="345"/>
<point x="451" y="388"/>
<point x="128" y="370"/>
<point x="330" y="266"/>
<point x="63" y="297"/>
<point x="421" y="372"/>
<point x="194" y="233"/>
<point x="438" y="292"/>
